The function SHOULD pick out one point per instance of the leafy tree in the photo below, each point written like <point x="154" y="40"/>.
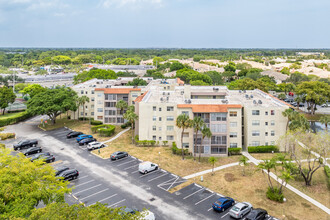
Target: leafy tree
<point x="286" y="87"/>
<point x="20" y="86"/>
<point x="247" y="84"/>
<point x="83" y="58"/>
<point x="243" y="66"/>
<point x="183" y="122"/>
<point x="137" y="82"/>
<point x="6" y="96"/>
<point x="315" y="93"/>
<point x="295" y="66"/>
<point x="157" y="60"/>
<point x="213" y="160"/>
<point x="216" y="77"/>
<point x="61" y="59"/>
<point x="176" y="66"/>
<point x="325" y="119"/>
<point x="82" y="101"/>
<point x="299" y="99"/>
<point x="122" y="105"/>
<point x="131" y="117"/>
<point x="198" y="83"/>
<point x="197" y="58"/>
<point x="243" y="161"/>
<point x="94" y="73"/>
<point x="206" y="132"/>
<point x="52" y="102"/>
<point x="254" y="73"/>
<point x="230" y="67"/>
<point x="285" y="70"/>
<point x="281" y="96"/>
<point x="188" y="75"/>
<point x="24" y="185"/>
<point x="41" y="72"/>
<point x="197" y="124"/>
<point x="33" y="89"/>
<point x="297" y="78"/>
<point x="228" y="76"/>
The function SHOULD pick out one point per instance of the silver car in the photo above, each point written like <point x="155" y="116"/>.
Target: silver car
<point x="95" y="145"/>
<point x="240" y="209"/>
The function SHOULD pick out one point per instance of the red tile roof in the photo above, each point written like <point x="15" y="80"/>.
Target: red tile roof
<point x="208" y="108"/>
<point x="117" y="90"/>
<point x="139" y="98"/>
<point x="179" y="81"/>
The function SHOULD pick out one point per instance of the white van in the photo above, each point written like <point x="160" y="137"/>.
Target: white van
<point x="147" y="215"/>
<point x="147" y="166"/>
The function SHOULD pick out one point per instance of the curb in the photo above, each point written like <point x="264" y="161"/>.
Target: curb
<point x="99" y="156"/>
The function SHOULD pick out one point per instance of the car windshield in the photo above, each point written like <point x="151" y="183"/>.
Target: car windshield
<point x="218" y="202"/>
<point x="20" y="142"/>
<point x="236" y="209"/>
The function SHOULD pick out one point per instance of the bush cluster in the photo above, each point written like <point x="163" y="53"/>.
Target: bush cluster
<point x="94" y="122"/>
<point x="274" y="195"/>
<point x="5" y="136"/>
<point x="263" y="149"/>
<point x="177" y="151"/>
<point x="2" y="145"/>
<point x="234" y="151"/>
<point x="146" y="143"/>
<point x="15" y="119"/>
<point x="127" y="124"/>
<point x="104" y="130"/>
<point x="13" y="111"/>
<point x="327" y="172"/>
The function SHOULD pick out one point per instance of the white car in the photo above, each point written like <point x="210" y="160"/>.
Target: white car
<point x="325" y="105"/>
<point x="95" y="145"/>
<point x="147" y="166"/>
<point x="147" y="215"/>
<point x="240" y="209"/>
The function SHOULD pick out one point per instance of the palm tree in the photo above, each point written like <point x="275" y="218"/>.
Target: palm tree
<point x="299" y="99"/>
<point x="83" y="100"/>
<point x="121" y="104"/>
<point x="268" y="165"/>
<point x="243" y="161"/>
<point x="183" y="122"/>
<point x="206" y="132"/>
<point x="290" y="114"/>
<point x="78" y="103"/>
<point x="212" y="161"/>
<point x="131" y="117"/>
<point x="325" y="120"/>
<point x="198" y="125"/>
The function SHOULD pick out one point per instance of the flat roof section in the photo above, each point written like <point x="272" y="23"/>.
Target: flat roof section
<point x="208" y="108"/>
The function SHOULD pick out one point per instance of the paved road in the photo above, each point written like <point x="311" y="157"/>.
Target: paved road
<point x="118" y="183"/>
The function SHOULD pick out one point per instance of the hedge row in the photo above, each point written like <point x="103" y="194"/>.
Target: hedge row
<point x="15" y="119"/>
<point x="94" y="122"/>
<point x="327" y="172"/>
<point x="177" y="151"/>
<point x="146" y="143"/>
<point x="4" y="136"/>
<point x="234" y="151"/>
<point x="104" y="130"/>
<point x="263" y="149"/>
<point x="127" y="124"/>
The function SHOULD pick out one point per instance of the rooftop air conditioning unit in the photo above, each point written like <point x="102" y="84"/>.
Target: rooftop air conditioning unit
<point x="216" y="89"/>
<point x="167" y="98"/>
<point x="244" y="91"/>
<point x="240" y="91"/>
<point x="246" y="96"/>
<point x="223" y="100"/>
<point x="182" y="92"/>
<point x="189" y="101"/>
<point x="168" y="93"/>
<point x="163" y="93"/>
<point x="259" y="102"/>
<point x="161" y="99"/>
<point x="254" y="102"/>
<point x="251" y="96"/>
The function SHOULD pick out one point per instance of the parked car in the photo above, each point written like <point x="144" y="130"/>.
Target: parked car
<point x="47" y="157"/>
<point x="257" y="214"/>
<point x="95" y="145"/>
<point x="86" y="141"/>
<point x="240" y="209"/>
<point x="117" y="155"/>
<point x="289" y="100"/>
<point x="147" y="167"/>
<point x="32" y="150"/>
<point x="60" y="170"/>
<point x="223" y="203"/>
<point x="325" y="105"/>
<point x="130" y="211"/>
<point x="25" y="144"/>
<point x="295" y="104"/>
<point x="83" y="136"/>
<point x="73" y="134"/>
<point x="69" y="174"/>
<point x="147" y="215"/>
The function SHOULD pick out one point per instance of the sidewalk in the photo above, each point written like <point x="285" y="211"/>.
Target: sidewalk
<point x="288" y="186"/>
<point x="210" y="170"/>
<point x="117" y="136"/>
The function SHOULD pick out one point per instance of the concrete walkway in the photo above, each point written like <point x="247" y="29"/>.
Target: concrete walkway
<point x="117" y="136"/>
<point x="314" y="153"/>
<point x="288" y="186"/>
<point x="210" y="170"/>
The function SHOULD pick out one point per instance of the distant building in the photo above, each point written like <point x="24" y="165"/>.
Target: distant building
<point x="279" y="77"/>
<point x="310" y="54"/>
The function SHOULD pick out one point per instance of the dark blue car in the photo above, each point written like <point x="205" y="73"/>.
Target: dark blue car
<point x="223" y="203"/>
<point x="83" y="136"/>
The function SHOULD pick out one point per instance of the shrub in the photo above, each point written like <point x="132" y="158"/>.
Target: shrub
<point x="263" y="149"/>
<point x="127" y="124"/>
<point x="274" y="195"/>
<point x="13" y="111"/>
<point x="177" y="151"/>
<point x="104" y="130"/>
<point x="234" y="151"/>
<point x="94" y="122"/>
<point x="327" y="172"/>
<point x="2" y="145"/>
<point x="15" y="119"/>
<point x="3" y="128"/>
<point x="5" y="136"/>
<point x="145" y="143"/>
<point x="165" y="143"/>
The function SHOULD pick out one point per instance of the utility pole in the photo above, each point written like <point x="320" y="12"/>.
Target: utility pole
<point x="14" y="82"/>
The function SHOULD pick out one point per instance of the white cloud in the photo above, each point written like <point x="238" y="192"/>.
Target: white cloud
<point x="121" y="3"/>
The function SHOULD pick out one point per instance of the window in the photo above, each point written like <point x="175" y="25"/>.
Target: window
<point x="160" y="128"/>
<point x="218" y="150"/>
<point x="266" y="143"/>
<point x="110" y="104"/>
<point x="86" y="92"/>
<point x="233" y="134"/>
<point x="100" y="110"/>
<point x="154" y="128"/>
<point x="185" y="145"/>
<point x="154" y="108"/>
<point x="218" y="116"/>
<point x="81" y="113"/>
<point x="99" y="102"/>
<point x="233" y="124"/>
<point x="82" y="92"/>
<point x="160" y="138"/>
<point x="170" y="128"/>
<point x="218" y="128"/>
<point x="272" y="133"/>
<point x="92" y="113"/>
<point x="93" y="99"/>
<point x="233" y="114"/>
<point x="160" y="118"/>
<point x="92" y="91"/>
<point x="272" y="123"/>
<point x="266" y="123"/>
<point x="170" y="108"/>
<point x="186" y="134"/>
<point x="100" y="117"/>
<point x="220" y="140"/>
<point x="85" y="114"/>
<point x="272" y="112"/>
<point x="266" y="133"/>
<point x="185" y="113"/>
<point x="134" y="95"/>
<point x="255" y="143"/>
<point x="154" y="138"/>
<point x="154" y="118"/>
<point x="214" y="97"/>
<point x="170" y="137"/>
<point x="266" y="113"/>
<point x="99" y="94"/>
<point x="160" y="109"/>
<point x="255" y="133"/>
<point x="255" y="112"/>
<point x="170" y="118"/>
<point x="233" y="144"/>
<point x="272" y="143"/>
<point x="110" y="112"/>
<point x="255" y="122"/>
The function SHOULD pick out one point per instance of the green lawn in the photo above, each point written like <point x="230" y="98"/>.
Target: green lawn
<point x="9" y="115"/>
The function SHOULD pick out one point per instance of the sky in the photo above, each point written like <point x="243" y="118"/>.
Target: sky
<point x="165" y="23"/>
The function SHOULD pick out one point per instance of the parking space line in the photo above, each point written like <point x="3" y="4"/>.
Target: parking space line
<point x="126" y="163"/>
<point x="84" y="183"/>
<point x="164" y="183"/>
<point x="157" y="177"/>
<point x="117" y="203"/>
<point x="135" y="171"/>
<point x="131" y="167"/>
<point x="210" y="209"/>
<point x="94" y="194"/>
<point x="87" y="189"/>
<point x="107" y="197"/>
<point x="193" y="193"/>
<point x="144" y="175"/>
<point x="204" y="199"/>
<point x="114" y="161"/>
<point x="83" y="177"/>
<point x="225" y="215"/>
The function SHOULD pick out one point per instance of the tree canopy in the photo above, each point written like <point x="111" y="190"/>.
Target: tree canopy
<point x="33" y="89"/>
<point x="6" y="96"/>
<point x="137" y="82"/>
<point x="94" y="73"/>
<point x="188" y="75"/>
